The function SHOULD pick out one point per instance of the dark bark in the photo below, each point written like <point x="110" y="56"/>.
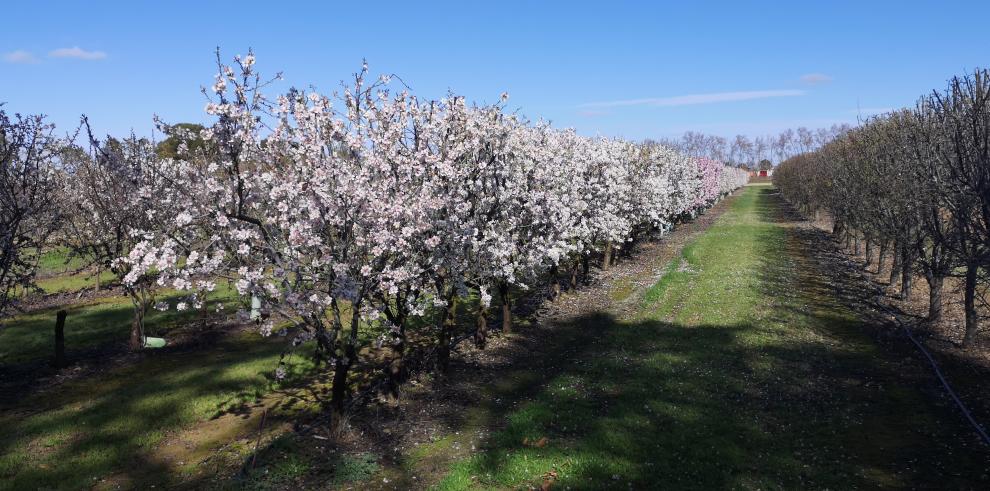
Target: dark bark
<point x="882" y="257"/>
<point x="907" y="272"/>
<point x="397" y="367"/>
<point x="936" y="283"/>
<point x="869" y="253"/>
<point x="481" y="327"/>
<point x="445" y="325"/>
<point x="586" y="269"/>
<point x="136" y="337"/>
<point x="503" y="293"/>
<point x="339" y="388"/>
<point x="554" y="283"/>
<point x="895" y="269"/>
<point x="60" y="339"/>
<point x="397" y="371"/>
<point x="972" y="323"/>
<point x="140" y="300"/>
<point x="837" y="230"/>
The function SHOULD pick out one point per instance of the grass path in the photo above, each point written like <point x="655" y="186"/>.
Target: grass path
<point x="741" y="368"/>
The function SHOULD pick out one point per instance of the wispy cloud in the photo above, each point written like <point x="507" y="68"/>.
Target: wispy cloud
<point x="19" y="56"/>
<point x="77" y="53"/>
<point x="591" y="113"/>
<point x="816" y="78"/>
<point x="692" y="99"/>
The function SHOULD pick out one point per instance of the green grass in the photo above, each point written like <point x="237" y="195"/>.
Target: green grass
<point x="108" y="426"/>
<point x="740" y="371"/>
<point x="30" y="337"/>
<point x="105" y="429"/>
<point x="61" y="272"/>
<point x="73" y="282"/>
<point x="57" y="261"/>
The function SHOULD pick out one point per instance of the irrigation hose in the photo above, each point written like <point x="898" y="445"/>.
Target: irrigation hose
<point x="938" y="371"/>
<point x="945" y="383"/>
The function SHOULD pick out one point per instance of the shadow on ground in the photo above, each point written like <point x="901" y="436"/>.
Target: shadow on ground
<point x="801" y="396"/>
<point x="798" y="396"/>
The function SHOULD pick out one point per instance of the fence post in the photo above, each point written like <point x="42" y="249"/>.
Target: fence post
<point x="60" y="339"/>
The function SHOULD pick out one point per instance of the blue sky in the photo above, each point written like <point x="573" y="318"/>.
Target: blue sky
<point x="631" y="69"/>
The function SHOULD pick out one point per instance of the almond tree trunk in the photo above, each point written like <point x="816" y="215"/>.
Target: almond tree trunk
<point x="907" y="273"/>
<point x="554" y="283"/>
<point x="869" y="253"/>
<point x="397" y="370"/>
<point x="136" y="341"/>
<point x="882" y="258"/>
<point x="607" y="258"/>
<point x="481" y="327"/>
<point x="895" y="269"/>
<point x="972" y="323"/>
<point x="137" y="323"/>
<point x="340" y="388"/>
<point x="445" y="326"/>
<point x="936" y="282"/>
<point x="503" y="293"/>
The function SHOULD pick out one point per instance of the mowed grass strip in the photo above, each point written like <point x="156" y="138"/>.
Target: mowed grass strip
<point x="739" y="371"/>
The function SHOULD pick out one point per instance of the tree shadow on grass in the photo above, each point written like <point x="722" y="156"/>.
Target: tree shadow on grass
<point x="837" y="281"/>
<point x="95" y="333"/>
<point x="108" y="427"/>
<point x="621" y="404"/>
<point x="650" y="405"/>
<point x="800" y="397"/>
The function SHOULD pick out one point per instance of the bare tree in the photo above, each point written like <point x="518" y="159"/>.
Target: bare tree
<point x="28" y="192"/>
<point x="959" y="141"/>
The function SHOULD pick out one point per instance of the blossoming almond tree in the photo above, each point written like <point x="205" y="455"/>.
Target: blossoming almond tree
<point x="114" y="196"/>
<point x="28" y="184"/>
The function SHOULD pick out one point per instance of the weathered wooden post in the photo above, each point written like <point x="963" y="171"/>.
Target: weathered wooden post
<point x="60" y="339"/>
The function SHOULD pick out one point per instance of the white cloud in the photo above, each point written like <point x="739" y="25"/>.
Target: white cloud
<point x="816" y="78"/>
<point x="687" y="100"/>
<point x="591" y="113"/>
<point x="77" y="53"/>
<point x="19" y="56"/>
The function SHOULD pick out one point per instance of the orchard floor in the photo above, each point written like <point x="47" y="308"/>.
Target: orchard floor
<point x="739" y="352"/>
<point x="750" y="363"/>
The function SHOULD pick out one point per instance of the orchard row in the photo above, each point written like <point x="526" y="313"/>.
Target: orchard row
<point x="353" y="218"/>
<point x="914" y="183"/>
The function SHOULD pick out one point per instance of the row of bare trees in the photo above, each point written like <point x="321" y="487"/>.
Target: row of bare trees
<point x="914" y="184"/>
<point x="744" y="151"/>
